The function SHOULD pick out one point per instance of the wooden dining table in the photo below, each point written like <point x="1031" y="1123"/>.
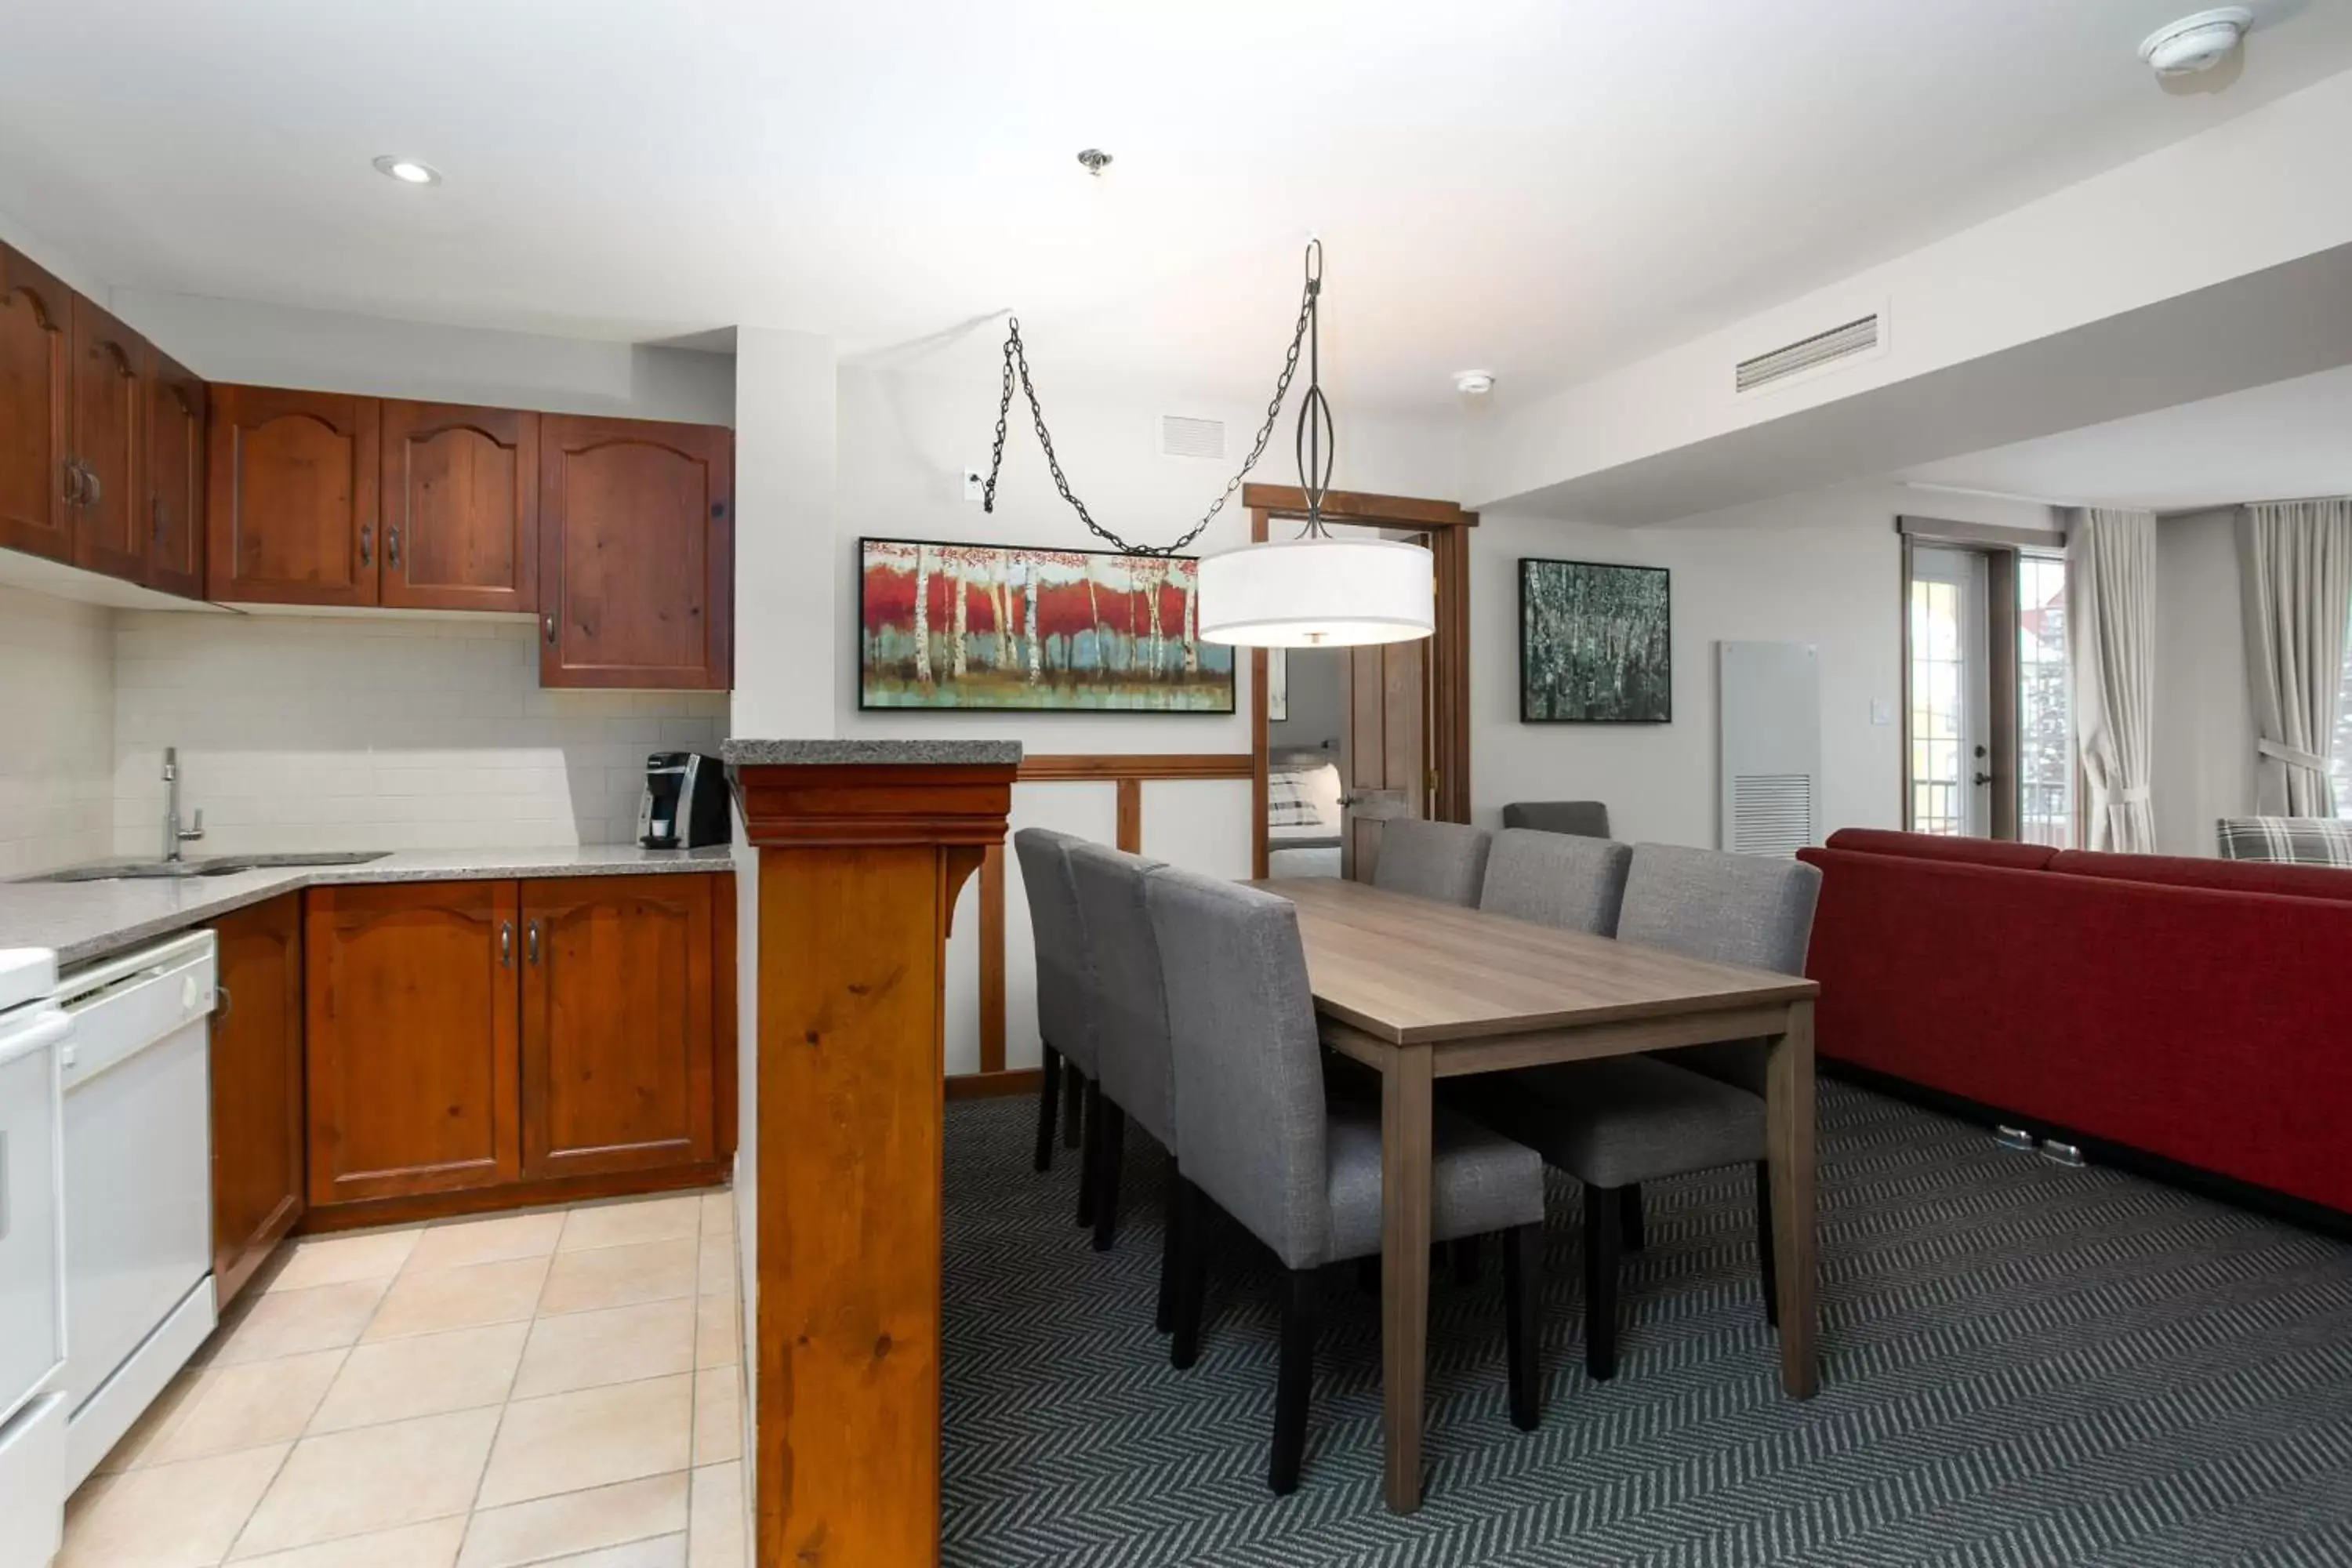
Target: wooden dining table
<point x="1420" y="991"/>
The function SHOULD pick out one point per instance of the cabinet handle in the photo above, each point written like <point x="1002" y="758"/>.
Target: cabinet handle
<point x="549" y="618"/>
<point x="367" y="545"/>
<point x="222" y="1004"/>
<point x="91" y="490"/>
<point x="506" y="944"/>
<point x="530" y="941"/>
<point x="392" y="547"/>
<point x="73" y="482"/>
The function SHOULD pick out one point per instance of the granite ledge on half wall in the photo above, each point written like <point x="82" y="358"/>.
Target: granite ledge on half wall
<point x="870" y="754"/>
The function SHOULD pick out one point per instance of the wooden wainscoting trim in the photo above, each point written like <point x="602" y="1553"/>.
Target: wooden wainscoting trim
<point x="989" y="1085"/>
<point x="992" y="963"/>
<point x="1140" y="766"/>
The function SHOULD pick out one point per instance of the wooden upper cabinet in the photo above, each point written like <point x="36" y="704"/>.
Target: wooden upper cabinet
<point x="175" y="478"/>
<point x="617" y="1068"/>
<point x="412" y="1010"/>
<point x="460" y="508"/>
<point x="257" y="1098"/>
<point x="109" y="422"/>
<point x="293" y="487"/>
<point x="37" y="482"/>
<point x="636" y="541"/>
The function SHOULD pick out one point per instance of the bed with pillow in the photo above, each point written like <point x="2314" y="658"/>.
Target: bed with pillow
<point x="1302" y="817"/>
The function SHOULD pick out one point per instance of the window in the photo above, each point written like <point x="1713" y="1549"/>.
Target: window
<point x="1990" y="739"/>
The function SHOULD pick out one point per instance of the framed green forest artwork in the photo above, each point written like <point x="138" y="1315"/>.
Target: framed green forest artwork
<point x="1596" y="643"/>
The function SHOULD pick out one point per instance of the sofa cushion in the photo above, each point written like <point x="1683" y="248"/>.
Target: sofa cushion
<point x="2228" y="875"/>
<point x="1939" y="847"/>
<point x="2292" y="840"/>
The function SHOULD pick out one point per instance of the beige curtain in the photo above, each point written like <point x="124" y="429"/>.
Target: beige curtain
<point x="2294" y="568"/>
<point x="2111" y="628"/>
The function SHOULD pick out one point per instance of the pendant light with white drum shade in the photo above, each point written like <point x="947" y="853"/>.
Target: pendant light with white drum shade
<point x="1312" y="590"/>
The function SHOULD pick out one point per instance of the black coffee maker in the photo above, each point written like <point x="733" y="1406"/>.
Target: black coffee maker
<point x="685" y="803"/>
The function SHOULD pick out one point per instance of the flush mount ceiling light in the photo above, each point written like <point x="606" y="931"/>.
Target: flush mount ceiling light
<point x="1313" y="591"/>
<point x="2196" y="42"/>
<point x="1473" y="383"/>
<point x="407" y="171"/>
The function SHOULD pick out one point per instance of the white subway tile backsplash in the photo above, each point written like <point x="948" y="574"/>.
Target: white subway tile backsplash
<point x="57" y="733"/>
<point x="300" y="734"/>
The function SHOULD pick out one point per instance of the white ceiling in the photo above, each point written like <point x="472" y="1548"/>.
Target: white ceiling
<point x="2280" y="442"/>
<point x="1543" y="188"/>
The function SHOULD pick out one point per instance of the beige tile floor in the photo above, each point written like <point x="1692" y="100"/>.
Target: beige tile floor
<point x="556" y="1387"/>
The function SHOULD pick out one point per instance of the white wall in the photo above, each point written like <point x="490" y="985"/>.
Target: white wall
<point x="1317" y="703"/>
<point x="2204" y="734"/>
<point x="377" y="733"/>
<point x="1823" y="569"/>
<point x="57" y="733"/>
<point x="374" y="356"/>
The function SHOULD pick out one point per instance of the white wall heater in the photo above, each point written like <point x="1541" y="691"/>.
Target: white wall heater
<point x="1769" y="742"/>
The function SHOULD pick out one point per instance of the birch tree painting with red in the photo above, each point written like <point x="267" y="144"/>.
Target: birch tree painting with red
<point x="990" y="626"/>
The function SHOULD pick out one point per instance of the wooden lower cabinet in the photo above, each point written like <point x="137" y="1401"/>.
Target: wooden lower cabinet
<point x="479" y="1045"/>
<point x="256" y="1088"/>
<point x="412" y="1006"/>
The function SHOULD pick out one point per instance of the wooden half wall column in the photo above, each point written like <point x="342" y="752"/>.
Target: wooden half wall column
<point x="861" y="848"/>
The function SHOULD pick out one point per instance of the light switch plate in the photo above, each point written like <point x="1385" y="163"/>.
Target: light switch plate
<point x="1882" y="711"/>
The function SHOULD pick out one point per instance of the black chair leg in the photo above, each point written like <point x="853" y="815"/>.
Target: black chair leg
<point x="1465" y="1259"/>
<point x="1522" y="1338"/>
<point x="1172" y="1221"/>
<point x="1602" y="1211"/>
<point x="1192" y="1274"/>
<point x="1771" y="1265"/>
<point x="1089" y="1169"/>
<point x="1074" y="1084"/>
<point x="1630" y="1221"/>
<point x="1368" y="1274"/>
<point x="1049" y="1105"/>
<point x="1294" y="1381"/>
<point x="1109" y="1153"/>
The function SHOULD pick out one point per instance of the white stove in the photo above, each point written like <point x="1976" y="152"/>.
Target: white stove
<point x="33" y="1465"/>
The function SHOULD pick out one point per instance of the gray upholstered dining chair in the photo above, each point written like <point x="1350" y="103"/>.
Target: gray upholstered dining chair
<point x="1585" y="819"/>
<point x="1259" y="1136"/>
<point x="1441" y="861"/>
<point x="1065" y="1003"/>
<point x="1136" y="1071"/>
<point x="1554" y="879"/>
<point x="1616" y="1123"/>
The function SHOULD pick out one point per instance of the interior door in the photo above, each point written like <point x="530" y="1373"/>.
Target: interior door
<point x="1950" y="668"/>
<point x="37" y="482"/>
<point x="460" y="508"/>
<point x="1386" y="770"/>
<point x="175" y="478"/>
<point x="110" y="395"/>
<point x="616" y="1023"/>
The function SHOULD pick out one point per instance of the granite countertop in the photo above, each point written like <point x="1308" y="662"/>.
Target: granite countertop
<point x="908" y="753"/>
<point x="83" y="921"/>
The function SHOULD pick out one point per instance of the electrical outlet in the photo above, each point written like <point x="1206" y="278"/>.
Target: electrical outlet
<point x="976" y="484"/>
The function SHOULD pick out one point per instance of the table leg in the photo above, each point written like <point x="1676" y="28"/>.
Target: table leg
<point x="1404" y="1265"/>
<point x="1788" y="1113"/>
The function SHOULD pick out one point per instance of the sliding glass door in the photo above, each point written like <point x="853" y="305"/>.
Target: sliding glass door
<point x="1951" y="775"/>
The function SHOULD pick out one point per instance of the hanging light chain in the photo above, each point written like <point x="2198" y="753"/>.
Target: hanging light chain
<point x="1016" y="362"/>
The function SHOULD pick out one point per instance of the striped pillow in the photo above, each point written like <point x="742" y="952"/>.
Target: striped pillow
<point x="1287" y="803"/>
<point x="2294" y="840"/>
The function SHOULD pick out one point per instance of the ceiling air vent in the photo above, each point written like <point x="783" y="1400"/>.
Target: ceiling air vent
<point x="1855" y="337"/>
<point x="1182" y="438"/>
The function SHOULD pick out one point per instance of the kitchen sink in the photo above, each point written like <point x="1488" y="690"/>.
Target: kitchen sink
<point x="215" y="865"/>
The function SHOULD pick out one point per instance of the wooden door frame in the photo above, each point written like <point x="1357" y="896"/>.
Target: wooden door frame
<point x="1448" y="527"/>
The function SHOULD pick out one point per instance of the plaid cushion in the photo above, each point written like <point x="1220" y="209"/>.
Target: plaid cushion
<point x="2295" y="840"/>
<point x="1287" y="803"/>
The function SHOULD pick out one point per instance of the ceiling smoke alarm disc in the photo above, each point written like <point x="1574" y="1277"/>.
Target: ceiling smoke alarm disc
<point x="2196" y="42"/>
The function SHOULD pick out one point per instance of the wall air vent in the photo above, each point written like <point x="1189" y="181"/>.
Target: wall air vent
<point x="1858" y="336"/>
<point x="1183" y="437"/>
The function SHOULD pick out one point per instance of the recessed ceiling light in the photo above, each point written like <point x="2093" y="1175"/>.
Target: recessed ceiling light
<point x="2196" y="42"/>
<point x="408" y="171"/>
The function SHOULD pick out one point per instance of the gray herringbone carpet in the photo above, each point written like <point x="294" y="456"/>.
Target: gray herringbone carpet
<point x="2023" y="1365"/>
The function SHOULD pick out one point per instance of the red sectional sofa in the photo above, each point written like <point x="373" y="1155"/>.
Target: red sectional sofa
<point x="2196" y="1011"/>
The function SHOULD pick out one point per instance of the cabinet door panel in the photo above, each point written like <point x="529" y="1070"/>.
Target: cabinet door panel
<point x="257" y="1135"/>
<point x="36" y="374"/>
<point x="294" y="488"/>
<point x="412" y="1011"/>
<point x="617" y="1046"/>
<point x="175" y="479"/>
<point x="460" y="508"/>
<point x="636" y="552"/>
<point x="110" y="398"/>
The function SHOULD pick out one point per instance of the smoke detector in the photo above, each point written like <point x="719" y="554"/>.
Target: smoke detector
<point x="1473" y="383"/>
<point x="2196" y="42"/>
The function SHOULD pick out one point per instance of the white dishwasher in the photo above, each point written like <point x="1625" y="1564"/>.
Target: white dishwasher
<point x="32" y="1260"/>
<point x="138" y="1184"/>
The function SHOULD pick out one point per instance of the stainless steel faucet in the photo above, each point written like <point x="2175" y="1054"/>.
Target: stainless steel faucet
<point x="173" y="834"/>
